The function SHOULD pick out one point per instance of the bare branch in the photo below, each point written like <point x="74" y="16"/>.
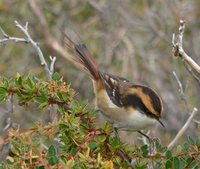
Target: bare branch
<point x="181" y="91"/>
<point x="28" y="39"/>
<point x="53" y="60"/>
<point x="189" y="69"/>
<point x="37" y="48"/>
<point x="8" y="38"/>
<point x="178" y="50"/>
<point x="183" y="129"/>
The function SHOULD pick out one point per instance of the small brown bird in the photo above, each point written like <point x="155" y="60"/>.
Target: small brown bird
<point x="127" y="106"/>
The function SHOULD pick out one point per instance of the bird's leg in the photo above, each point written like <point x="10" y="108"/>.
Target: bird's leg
<point x="144" y="135"/>
<point x="151" y="141"/>
<point x="115" y="130"/>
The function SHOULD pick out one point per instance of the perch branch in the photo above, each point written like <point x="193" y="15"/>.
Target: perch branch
<point x="183" y="129"/>
<point x="178" y="51"/>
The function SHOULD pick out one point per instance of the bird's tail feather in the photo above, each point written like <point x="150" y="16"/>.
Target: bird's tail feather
<point x="84" y="58"/>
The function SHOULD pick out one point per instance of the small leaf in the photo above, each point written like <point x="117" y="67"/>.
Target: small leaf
<point x="51" y="151"/>
<point x="168" y="164"/>
<point x="168" y="154"/>
<point x="176" y="163"/>
<point x="108" y="128"/>
<point x="191" y="141"/>
<point x="53" y="160"/>
<point x="3" y="91"/>
<point x="41" y="99"/>
<point x="73" y="151"/>
<point x="186" y="146"/>
<point x="179" y="149"/>
<point x="56" y="76"/>
<point x="193" y="165"/>
<point x="2" y="98"/>
<point x="3" y="94"/>
<point x="145" y="150"/>
<point x="93" y="145"/>
<point x="182" y="164"/>
<point x="102" y="138"/>
<point x="19" y="81"/>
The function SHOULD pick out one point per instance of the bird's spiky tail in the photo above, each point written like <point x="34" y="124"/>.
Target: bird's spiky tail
<point x="84" y="58"/>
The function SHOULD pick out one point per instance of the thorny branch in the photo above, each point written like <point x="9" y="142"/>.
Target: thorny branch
<point x="178" y="51"/>
<point x="28" y="39"/>
<point x="183" y="129"/>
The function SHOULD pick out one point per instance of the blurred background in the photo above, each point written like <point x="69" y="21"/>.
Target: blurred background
<point x="129" y="38"/>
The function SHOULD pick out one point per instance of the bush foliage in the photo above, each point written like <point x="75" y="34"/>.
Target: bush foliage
<point x="74" y="141"/>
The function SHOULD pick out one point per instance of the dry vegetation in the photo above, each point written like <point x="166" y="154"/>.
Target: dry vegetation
<point x="129" y="38"/>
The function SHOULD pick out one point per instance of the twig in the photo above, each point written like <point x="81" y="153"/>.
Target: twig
<point x="8" y="123"/>
<point x="28" y="39"/>
<point x="36" y="47"/>
<point x="125" y="157"/>
<point x="189" y="69"/>
<point x="181" y="91"/>
<point x="178" y="50"/>
<point x="53" y="60"/>
<point x="183" y="129"/>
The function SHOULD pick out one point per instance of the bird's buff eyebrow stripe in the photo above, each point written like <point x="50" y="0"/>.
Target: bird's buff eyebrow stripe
<point x="144" y="98"/>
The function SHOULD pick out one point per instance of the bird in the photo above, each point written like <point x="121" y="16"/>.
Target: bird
<point x="125" y="105"/>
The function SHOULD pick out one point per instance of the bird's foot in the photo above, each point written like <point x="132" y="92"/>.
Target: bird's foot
<point x="152" y="142"/>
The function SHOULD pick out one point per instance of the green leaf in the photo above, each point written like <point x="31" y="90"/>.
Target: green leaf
<point x="1" y="167"/>
<point x="41" y="99"/>
<point x="168" y="154"/>
<point x="93" y="145"/>
<point x="193" y="165"/>
<point x="102" y="138"/>
<point x="186" y="146"/>
<point x="56" y="76"/>
<point x="3" y="94"/>
<point x="108" y="128"/>
<point x="41" y="167"/>
<point x="2" y="98"/>
<point x="145" y="150"/>
<point x="3" y="91"/>
<point x="182" y="164"/>
<point x="53" y="160"/>
<point x="73" y="151"/>
<point x="19" y="81"/>
<point x="176" y="163"/>
<point x="115" y="143"/>
<point x="198" y="142"/>
<point x="191" y="141"/>
<point x="168" y="164"/>
<point x="51" y="151"/>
